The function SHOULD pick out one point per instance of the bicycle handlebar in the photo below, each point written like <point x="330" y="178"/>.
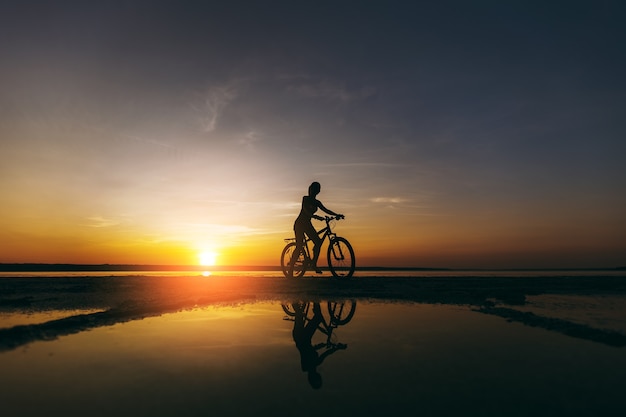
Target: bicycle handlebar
<point x="337" y="217"/>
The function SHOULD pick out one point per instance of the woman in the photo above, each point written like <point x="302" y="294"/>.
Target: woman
<point x="303" y="226"/>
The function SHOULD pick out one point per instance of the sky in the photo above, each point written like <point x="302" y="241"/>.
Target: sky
<point x="460" y="134"/>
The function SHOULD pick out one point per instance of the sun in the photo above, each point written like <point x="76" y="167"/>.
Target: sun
<point x="207" y="258"/>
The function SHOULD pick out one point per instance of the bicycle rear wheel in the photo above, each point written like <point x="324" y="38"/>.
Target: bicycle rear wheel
<point x="341" y="258"/>
<point x="298" y="266"/>
<point x="289" y="309"/>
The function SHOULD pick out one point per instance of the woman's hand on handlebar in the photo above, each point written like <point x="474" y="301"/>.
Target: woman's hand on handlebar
<point x="336" y="217"/>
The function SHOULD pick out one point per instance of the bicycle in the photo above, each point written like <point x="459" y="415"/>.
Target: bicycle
<point x="340" y="254"/>
<point x="340" y="314"/>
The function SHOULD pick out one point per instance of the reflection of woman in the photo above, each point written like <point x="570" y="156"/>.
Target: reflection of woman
<point x="303" y="335"/>
<point x="303" y="332"/>
<point x="303" y="226"/>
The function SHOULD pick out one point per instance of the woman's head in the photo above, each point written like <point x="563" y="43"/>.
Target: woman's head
<point x="315" y="379"/>
<point x="314" y="188"/>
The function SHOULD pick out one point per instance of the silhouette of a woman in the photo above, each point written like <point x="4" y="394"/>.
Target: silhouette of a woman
<point x="303" y="226"/>
<point x="303" y="331"/>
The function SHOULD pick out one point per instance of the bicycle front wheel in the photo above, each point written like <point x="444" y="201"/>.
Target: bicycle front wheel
<point x="341" y="258"/>
<point x="341" y="312"/>
<point x="285" y="259"/>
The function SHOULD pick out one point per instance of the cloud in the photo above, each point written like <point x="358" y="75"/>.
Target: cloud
<point x="155" y="145"/>
<point x="249" y="140"/>
<point x="366" y="165"/>
<point x="216" y="100"/>
<point x="388" y="200"/>
<point x="331" y="90"/>
<point x="223" y="229"/>
<point x="225" y="234"/>
<point x="409" y="207"/>
<point x="99" y="222"/>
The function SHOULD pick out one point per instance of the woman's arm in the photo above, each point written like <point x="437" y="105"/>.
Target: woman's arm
<point x="324" y="209"/>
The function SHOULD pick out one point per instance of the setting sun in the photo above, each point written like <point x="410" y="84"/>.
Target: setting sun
<point x="207" y="258"/>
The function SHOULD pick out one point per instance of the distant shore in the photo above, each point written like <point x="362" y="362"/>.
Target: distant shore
<point x="62" y="267"/>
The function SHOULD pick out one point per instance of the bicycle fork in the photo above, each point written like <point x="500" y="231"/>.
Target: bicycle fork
<point x="336" y="250"/>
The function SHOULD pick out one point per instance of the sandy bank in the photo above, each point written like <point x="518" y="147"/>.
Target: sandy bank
<point x="37" y="294"/>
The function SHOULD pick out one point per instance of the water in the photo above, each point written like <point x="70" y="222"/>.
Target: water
<point x="243" y="359"/>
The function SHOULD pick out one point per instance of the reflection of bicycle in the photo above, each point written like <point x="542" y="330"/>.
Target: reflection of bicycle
<point x="340" y="254"/>
<point x="340" y="313"/>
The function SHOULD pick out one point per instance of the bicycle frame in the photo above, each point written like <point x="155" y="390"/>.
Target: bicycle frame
<point x="324" y="233"/>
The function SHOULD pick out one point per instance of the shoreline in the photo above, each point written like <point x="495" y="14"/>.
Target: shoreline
<point x="112" y="291"/>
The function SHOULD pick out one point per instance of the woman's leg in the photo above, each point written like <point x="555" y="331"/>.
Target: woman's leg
<point x="317" y="242"/>
<point x="300" y="241"/>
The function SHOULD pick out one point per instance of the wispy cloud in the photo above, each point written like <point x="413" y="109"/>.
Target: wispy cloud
<point x="222" y="229"/>
<point x="388" y="200"/>
<point x="219" y="232"/>
<point x="99" y="222"/>
<point x="331" y="90"/>
<point x="215" y="101"/>
<point x="365" y="165"/>
<point x="409" y="206"/>
<point x="155" y="144"/>
<point x="249" y="140"/>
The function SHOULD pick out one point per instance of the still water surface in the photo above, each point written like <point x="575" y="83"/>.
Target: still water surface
<point x="257" y="359"/>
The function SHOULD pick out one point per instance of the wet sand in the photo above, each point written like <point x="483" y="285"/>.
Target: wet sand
<point x="112" y="300"/>
<point x="36" y="294"/>
<point x="126" y="291"/>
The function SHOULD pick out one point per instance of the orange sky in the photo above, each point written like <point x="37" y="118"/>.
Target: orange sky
<point x="448" y="138"/>
<point x="386" y="234"/>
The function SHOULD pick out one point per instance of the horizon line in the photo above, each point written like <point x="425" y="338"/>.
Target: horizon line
<point x="61" y="267"/>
